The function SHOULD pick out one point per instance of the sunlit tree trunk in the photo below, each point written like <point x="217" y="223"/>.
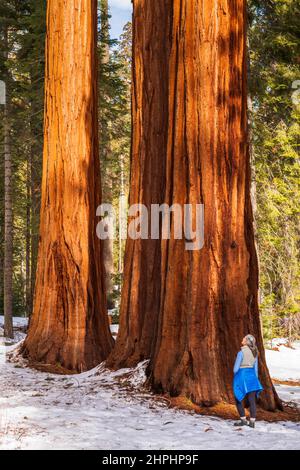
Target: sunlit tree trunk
<point x="190" y="145"/>
<point x="141" y="289"/>
<point x="69" y="326"/>
<point x="209" y="297"/>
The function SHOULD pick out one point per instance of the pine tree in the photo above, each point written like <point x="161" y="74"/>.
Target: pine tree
<point x="5" y="30"/>
<point x="25" y="64"/>
<point x="274" y="49"/>
<point x="8" y="209"/>
<point x="113" y="101"/>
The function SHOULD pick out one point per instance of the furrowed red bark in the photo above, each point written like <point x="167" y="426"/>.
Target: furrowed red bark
<point x="191" y="321"/>
<point x="141" y="289"/>
<point x="69" y="325"/>
<point x="209" y="297"/>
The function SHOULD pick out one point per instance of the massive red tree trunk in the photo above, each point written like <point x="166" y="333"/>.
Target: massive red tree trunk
<point x="141" y="288"/>
<point x="69" y="325"/>
<point x="209" y="299"/>
<point x="191" y="321"/>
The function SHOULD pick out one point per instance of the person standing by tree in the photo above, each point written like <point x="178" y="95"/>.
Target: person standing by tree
<point x="246" y="383"/>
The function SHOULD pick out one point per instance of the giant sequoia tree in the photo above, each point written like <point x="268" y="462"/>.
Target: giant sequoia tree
<point x="69" y="325"/>
<point x="141" y="288"/>
<point x="207" y="298"/>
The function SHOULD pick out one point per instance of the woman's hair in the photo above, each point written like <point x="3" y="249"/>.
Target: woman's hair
<point x="251" y="343"/>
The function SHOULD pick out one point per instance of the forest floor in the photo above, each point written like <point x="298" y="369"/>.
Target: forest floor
<point x="107" y="410"/>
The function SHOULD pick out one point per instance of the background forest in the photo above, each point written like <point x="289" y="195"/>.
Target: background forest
<point x="274" y="111"/>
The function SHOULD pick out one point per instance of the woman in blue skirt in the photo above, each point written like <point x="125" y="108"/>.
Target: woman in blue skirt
<point x="246" y="383"/>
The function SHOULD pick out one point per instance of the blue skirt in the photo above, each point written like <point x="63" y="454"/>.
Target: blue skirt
<point x="244" y="382"/>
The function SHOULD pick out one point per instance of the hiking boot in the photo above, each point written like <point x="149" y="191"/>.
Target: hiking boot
<point x="252" y="424"/>
<point x="241" y="422"/>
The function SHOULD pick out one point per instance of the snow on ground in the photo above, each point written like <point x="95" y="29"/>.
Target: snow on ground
<point x="289" y="394"/>
<point x="111" y="411"/>
<point x="114" y="329"/>
<point x="97" y="410"/>
<point x="20" y="325"/>
<point x="19" y="322"/>
<point x="284" y="364"/>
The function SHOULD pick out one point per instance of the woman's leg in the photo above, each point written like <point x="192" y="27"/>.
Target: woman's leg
<point x="240" y="408"/>
<point x="243" y="421"/>
<point x="252" y="403"/>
